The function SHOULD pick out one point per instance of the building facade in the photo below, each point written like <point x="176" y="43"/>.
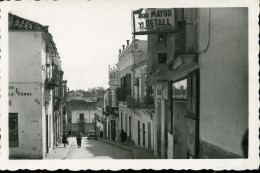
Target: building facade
<point x="199" y="76"/>
<point x="83" y="117"/>
<point x="33" y="128"/>
<point x="136" y="111"/>
<point x="111" y="106"/>
<point x="100" y="117"/>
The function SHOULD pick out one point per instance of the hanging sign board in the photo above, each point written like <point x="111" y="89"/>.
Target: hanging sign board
<point x="153" y="21"/>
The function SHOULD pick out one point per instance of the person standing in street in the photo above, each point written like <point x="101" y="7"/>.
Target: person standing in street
<point x="79" y="138"/>
<point x="64" y="139"/>
<point x="101" y="134"/>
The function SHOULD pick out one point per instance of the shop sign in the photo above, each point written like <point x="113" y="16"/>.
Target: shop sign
<point x="153" y="21"/>
<point x="13" y="91"/>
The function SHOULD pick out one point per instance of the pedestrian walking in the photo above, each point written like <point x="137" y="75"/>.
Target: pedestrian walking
<point x="79" y="138"/>
<point x="64" y="139"/>
<point x="123" y="136"/>
<point x="101" y="134"/>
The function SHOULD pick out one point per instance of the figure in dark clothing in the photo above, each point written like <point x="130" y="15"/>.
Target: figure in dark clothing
<point x="64" y="139"/>
<point x="79" y="138"/>
<point x="101" y="134"/>
<point x="123" y="136"/>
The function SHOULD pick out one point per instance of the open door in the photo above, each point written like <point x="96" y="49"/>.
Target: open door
<point x="149" y="136"/>
<point x="139" y="129"/>
<point x="159" y="126"/>
<point x="47" y="134"/>
<point x="143" y="134"/>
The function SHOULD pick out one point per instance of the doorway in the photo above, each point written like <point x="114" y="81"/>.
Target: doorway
<point x="149" y="136"/>
<point x="113" y="130"/>
<point x="138" y="128"/>
<point x="109" y="129"/>
<point x="143" y="134"/>
<point x="130" y="125"/>
<point x="47" y="136"/>
<point x="158" y="126"/>
<point x="121" y="118"/>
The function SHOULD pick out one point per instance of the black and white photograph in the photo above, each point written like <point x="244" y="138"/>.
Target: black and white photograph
<point x="129" y="84"/>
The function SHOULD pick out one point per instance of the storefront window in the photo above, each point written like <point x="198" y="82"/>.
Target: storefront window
<point x="13" y="130"/>
<point x="179" y="90"/>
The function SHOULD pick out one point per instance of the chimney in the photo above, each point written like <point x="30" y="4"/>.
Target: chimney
<point x="119" y="51"/>
<point x="127" y="41"/>
<point x="123" y="47"/>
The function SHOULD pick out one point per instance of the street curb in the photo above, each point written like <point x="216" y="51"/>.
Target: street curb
<point x="67" y="150"/>
<point x="132" y="151"/>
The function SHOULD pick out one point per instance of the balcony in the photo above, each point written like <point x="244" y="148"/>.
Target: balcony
<point x="122" y="94"/>
<point x="146" y="103"/>
<point x="51" y="83"/>
<point x="112" y="110"/>
<point x="82" y="120"/>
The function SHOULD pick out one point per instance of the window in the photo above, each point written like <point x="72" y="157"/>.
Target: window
<point x="162" y="58"/>
<point x="81" y="116"/>
<point x="13" y="130"/>
<point x="179" y="90"/>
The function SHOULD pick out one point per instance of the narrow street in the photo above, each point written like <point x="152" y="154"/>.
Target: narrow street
<point x="95" y="149"/>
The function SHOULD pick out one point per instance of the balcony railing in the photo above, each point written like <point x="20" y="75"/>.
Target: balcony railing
<point x="82" y="121"/>
<point x="51" y="83"/>
<point x="112" y="110"/>
<point x="123" y="93"/>
<point x="146" y="103"/>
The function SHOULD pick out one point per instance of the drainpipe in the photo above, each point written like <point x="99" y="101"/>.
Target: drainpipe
<point x="133" y="123"/>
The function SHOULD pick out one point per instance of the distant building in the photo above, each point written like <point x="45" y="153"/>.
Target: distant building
<point x="111" y="106"/>
<point x="136" y="111"/>
<point x="82" y="116"/>
<point x="100" y="116"/>
<point x="36" y="95"/>
<point x="75" y="96"/>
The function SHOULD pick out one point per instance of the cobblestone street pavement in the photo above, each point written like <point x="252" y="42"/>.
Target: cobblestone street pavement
<point x="95" y="149"/>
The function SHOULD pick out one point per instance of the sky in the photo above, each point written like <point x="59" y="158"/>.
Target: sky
<point x="88" y="35"/>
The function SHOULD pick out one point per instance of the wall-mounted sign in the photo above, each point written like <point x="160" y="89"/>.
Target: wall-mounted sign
<point x="179" y="90"/>
<point x="13" y="91"/>
<point x="153" y="20"/>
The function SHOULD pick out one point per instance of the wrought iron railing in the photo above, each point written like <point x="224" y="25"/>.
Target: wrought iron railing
<point x="82" y="121"/>
<point x="112" y="110"/>
<point x="146" y="103"/>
